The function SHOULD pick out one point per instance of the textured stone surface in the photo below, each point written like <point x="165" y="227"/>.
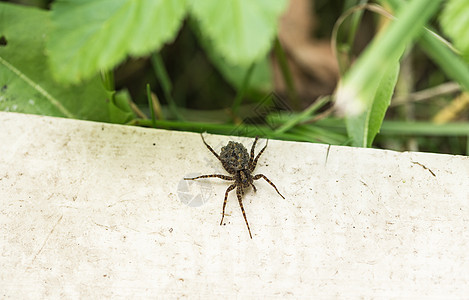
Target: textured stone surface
<point x="98" y="210"/>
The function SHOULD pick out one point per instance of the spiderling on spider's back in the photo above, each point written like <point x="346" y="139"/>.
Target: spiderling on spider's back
<point x="236" y="161"/>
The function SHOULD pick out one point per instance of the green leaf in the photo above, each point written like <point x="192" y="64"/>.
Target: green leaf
<point x="450" y="62"/>
<point x="93" y="35"/>
<point x="358" y="87"/>
<point x="363" y="128"/>
<point x="381" y="102"/>
<point x="26" y="83"/>
<point x="261" y="77"/>
<point x="241" y="31"/>
<point x="455" y="24"/>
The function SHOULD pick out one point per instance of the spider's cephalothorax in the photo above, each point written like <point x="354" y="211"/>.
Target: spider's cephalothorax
<point x="236" y="161"/>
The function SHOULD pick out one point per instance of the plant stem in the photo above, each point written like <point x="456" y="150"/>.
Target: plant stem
<point x="227" y="129"/>
<point x="150" y="103"/>
<point x="298" y="118"/>
<point x="242" y="91"/>
<point x="165" y="82"/>
<point x="404" y="128"/>
<point x="282" y="59"/>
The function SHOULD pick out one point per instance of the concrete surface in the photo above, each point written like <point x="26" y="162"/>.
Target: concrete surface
<point x="91" y="210"/>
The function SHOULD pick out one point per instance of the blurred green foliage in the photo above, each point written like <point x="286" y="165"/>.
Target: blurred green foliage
<point x="209" y="69"/>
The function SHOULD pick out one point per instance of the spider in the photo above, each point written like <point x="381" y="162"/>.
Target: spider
<point x="235" y="160"/>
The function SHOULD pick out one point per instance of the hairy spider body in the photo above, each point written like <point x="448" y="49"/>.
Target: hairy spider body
<point x="237" y="162"/>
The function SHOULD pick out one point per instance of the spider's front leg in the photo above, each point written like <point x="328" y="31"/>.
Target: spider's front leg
<point x="253" y="164"/>
<point x="251" y="158"/>
<point x="259" y="176"/>
<point x="224" y="177"/>
<point x="210" y="148"/>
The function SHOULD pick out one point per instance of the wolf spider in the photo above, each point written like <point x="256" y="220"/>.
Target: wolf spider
<point x="236" y="161"/>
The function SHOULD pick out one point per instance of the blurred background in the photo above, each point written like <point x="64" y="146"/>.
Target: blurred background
<point x="207" y="89"/>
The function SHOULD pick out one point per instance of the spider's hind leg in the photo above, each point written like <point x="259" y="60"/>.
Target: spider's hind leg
<point x="229" y="189"/>
<point x="239" y="193"/>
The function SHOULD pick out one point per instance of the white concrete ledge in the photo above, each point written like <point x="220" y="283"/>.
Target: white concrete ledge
<point x="99" y="210"/>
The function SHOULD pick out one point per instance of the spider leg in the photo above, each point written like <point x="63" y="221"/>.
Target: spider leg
<point x="224" y="177"/>
<point x="259" y="176"/>
<point x="251" y="158"/>
<point x="239" y="193"/>
<point x="254" y="163"/>
<point x="255" y="190"/>
<point x="210" y="148"/>
<point x="229" y="189"/>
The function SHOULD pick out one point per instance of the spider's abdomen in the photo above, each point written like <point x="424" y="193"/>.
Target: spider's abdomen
<point x="234" y="156"/>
